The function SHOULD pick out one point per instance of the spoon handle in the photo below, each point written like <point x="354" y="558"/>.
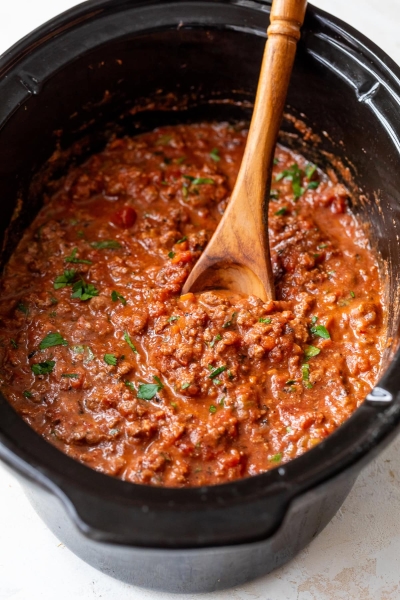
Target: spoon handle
<point x="238" y="252"/>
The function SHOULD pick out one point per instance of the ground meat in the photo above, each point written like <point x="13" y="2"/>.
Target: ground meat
<point x="105" y="358"/>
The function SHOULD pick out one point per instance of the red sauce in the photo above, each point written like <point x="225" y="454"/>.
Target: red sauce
<point x="103" y="357"/>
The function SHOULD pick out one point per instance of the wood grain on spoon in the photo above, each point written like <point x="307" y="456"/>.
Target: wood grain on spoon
<point x="237" y="257"/>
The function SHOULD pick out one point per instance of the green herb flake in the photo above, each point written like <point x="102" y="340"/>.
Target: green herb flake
<point x="147" y="391"/>
<point x="182" y="240"/>
<point x="313" y="185"/>
<point x="277" y="458"/>
<point x="203" y="181"/>
<point x="276" y="161"/>
<point x="43" y="368"/>
<point x="66" y="279"/>
<point x="14" y="344"/>
<point x="217" y="372"/>
<point x="84" y="291"/>
<point x="52" y="339"/>
<point x="274" y="194"/>
<point x="173" y="318"/>
<point x="171" y="254"/>
<point x="310" y="170"/>
<point x="291" y="382"/>
<point x="110" y="359"/>
<point x="185" y="191"/>
<point x="164" y="140"/>
<point x="22" y="308"/>
<point x="214" y="155"/>
<point x="174" y="405"/>
<point x="70" y="375"/>
<point x="305" y="370"/>
<point x="212" y="409"/>
<point x="266" y="321"/>
<point x="217" y="338"/>
<point x="130" y="385"/>
<point x="293" y="174"/>
<point x="189" y="177"/>
<point x="289" y="429"/>
<point x="310" y="352"/>
<point x="73" y="259"/>
<point x="117" y="296"/>
<point x="180" y="160"/>
<point x="352" y="294"/>
<point x="130" y="343"/>
<point x="321" y="332"/>
<point x="282" y="211"/>
<point x="78" y="349"/>
<point x="185" y="385"/>
<point x="27" y="394"/>
<point x="106" y="245"/>
<point x="314" y="319"/>
<point x="229" y="323"/>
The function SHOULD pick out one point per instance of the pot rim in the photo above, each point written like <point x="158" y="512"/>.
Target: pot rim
<point x="355" y="441"/>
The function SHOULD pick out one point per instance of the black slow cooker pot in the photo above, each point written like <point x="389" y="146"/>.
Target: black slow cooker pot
<point x="74" y="81"/>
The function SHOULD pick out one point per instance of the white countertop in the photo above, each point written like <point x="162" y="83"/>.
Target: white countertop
<point x="357" y="556"/>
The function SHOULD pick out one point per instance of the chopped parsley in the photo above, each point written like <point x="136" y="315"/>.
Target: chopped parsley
<point x="293" y="174"/>
<point x="27" y="394"/>
<point x="147" y="391"/>
<point x="164" y="140"/>
<point x="352" y="294"/>
<point x="171" y="254"/>
<point x="106" y="245"/>
<point x="217" y="338"/>
<point x="310" y="170"/>
<point x="305" y="370"/>
<point x="70" y="375"/>
<point x="173" y="318"/>
<point x="110" y="359"/>
<point x="72" y="258"/>
<point x="310" y="351"/>
<point x="52" y="339"/>
<point x="199" y="180"/>
<point x="313" y="185"/>
<point x="22" y="308"/>
<point x="314" y="319"/>
<point x="14" y="344"/>
<point x="117" y="296"/>
<point x="320" y="331"/>
<point x="277" y="458"/>
<point x="282" y="211"/>
<point x="215" y="372"/>
<point x="84" y="291"/>
<point x="43" y="368"/>
<point x="185" y="385"/>
<point x="130" y="385"/>
<point x="229" y="323"/>
<point x="274" y="194"/>
<point x="214" y="154"/>
<point x="182" y="240"/>
<point x="212" y="409"/>
<point x="267" y="321"/>
<point x="129" y="342"/>
<point x="78" y="349"/>
<point x="66" y="279"/>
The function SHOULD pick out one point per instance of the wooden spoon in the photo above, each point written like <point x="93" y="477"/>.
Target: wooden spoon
<point x="237" y="256"/>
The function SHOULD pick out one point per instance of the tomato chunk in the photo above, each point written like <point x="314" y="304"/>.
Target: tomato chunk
<point x="125" y="217"/>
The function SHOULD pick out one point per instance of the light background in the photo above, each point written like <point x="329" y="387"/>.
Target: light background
<point x="357" y="557"/>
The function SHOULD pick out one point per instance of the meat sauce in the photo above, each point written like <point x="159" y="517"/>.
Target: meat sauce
<point x="103" y="356"/>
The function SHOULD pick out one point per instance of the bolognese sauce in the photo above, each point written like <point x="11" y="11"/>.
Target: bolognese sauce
<point x="105" y="358"/>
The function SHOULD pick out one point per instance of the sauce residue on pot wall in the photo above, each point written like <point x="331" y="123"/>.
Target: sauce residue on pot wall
<point x="104" y="357"/>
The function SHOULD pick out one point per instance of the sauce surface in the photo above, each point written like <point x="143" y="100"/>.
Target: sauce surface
<point x="102" y="356"/>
